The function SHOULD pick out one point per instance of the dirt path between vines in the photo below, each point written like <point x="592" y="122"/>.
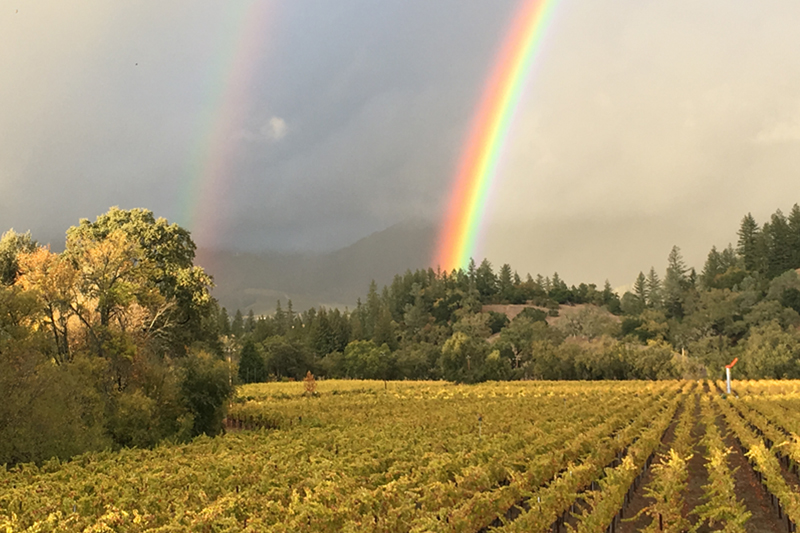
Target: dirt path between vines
<point x="764" y="518"/>
<point x="639" y="500"/>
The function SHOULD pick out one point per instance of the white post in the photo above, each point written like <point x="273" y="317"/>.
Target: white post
<point x="728" y="373"/>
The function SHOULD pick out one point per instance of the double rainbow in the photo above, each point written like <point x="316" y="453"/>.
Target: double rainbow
<point x="459" y="235"/>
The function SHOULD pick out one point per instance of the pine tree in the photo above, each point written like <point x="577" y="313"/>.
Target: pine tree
<point x="653" y="290"/>
<point x="280" y="319"/>
<point x="224" y="322"/>
<point x="640" y="288"/>
<point x="675" y="283"/>
<point x="794" y="235"/>
<point x="505" y="283"/>
<point x="611" y="299"/>
<point x="251" y="364"/>
<point x="748" y="246"/>
<point x="373" y="308"/>
<point x="779" y="241"/>
<point x="471" y="270"/>
<point x="290" y="316"/>
<point x="485" y="281"/>
<point x="727" y="259"/>
<point x="250" y="323"/>
<point x="237" y="325"/>
<point x="712" y="268"/>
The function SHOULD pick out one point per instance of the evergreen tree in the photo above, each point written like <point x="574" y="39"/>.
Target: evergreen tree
<point x="675" y="283"/>
<point x="358" y="319"/>
<point x="748" y="246"/>
<point x="340" y="330"/>
<point x="373" y="309"/>
<point x="237" y="325"/>
<point x="290" y="316"/>
<point x="251" y="364"/>
<point x="506" y="284"/>
<point x="727" y="259"/>
<point x="385" y="330"/>
<point x="778" y="238"/>
<point x="224" y="323"/>
<point x="712" y="269"/>
<point x="559" y="290"/>
<point x="485" y="281"/>
<point x="279" y="318"/>
<point x="250" y="323"/>
<point x="611" y="299"/>
<point x="321" y="336"/>
<point x="653" y="290"/>
<point x="640" y="288"/>
<point x="794" y="236"/>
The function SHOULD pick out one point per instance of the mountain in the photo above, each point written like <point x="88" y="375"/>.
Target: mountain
<point x="335" y="279"/>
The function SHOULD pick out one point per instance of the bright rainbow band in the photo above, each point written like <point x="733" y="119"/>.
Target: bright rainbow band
<point x="461" y="229"/>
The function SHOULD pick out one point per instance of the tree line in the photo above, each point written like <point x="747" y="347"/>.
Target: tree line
<point x="430" y="324"/>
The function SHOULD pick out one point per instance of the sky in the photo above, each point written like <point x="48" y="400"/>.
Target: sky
<point x="307" y="125"/>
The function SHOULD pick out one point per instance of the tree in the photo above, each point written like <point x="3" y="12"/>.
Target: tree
<point x="372" y="311"/>
<point x="778" y="238"/>
<point x="675" y="283"/>
<point x="206" y="389"/>
<point x="51" y="279"/>
<point x="631" y="304"/>
<point x="518" y="337"/>
<point x="654" y="300"/>
<point x="250" y="322"/>
<point x="367" y="360"/>
<point x="794" y="235"/>
<point x="237" y="324"/>
<point x="224" y="322"/>
<point x="640" y="288"/>
<point x="485" y="281"/>
<point x="462" y="358"/>
<point x="748" y="247"/>
<point x="712" y="269"/>
<point x="505" y="282"/>
<point x="11" y="245"/>
<point x="610" y="299"/>
<point x="251" y="364"/>
<point x="385" y="329"/>
<point x="286" y="358"/>
<point x="162" y="254"/>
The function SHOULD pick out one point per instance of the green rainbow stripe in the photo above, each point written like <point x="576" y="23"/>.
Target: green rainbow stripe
<point x="459" y="235"/>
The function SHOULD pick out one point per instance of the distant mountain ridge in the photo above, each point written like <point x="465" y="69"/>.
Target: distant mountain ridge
<point x="335" y="279"/>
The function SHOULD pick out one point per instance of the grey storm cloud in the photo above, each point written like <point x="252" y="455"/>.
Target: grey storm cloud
<point x="643" y="124"/>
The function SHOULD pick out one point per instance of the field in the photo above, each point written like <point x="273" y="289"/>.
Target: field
<point x="423" y="456"/>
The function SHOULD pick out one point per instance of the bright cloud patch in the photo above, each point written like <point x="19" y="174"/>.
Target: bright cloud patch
<point x="274" y="130"/>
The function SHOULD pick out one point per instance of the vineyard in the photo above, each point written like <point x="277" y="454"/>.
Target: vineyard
<point x="434" y="456"/>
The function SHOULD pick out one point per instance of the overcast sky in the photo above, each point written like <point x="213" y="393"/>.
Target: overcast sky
<point x="308" y="125"/>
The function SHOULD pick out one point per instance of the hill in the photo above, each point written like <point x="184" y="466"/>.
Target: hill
<point x="335" y="279"/>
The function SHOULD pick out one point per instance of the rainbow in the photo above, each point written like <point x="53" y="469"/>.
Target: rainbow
<point x="460" y="231"/>
<point x="226" y="105"/>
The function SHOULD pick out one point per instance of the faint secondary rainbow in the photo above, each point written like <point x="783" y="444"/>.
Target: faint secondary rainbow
<point x="227" y="100"/>
<point x="459" y="234"/>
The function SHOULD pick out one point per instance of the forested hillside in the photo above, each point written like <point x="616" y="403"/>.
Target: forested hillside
<point x="429" y="324"/>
